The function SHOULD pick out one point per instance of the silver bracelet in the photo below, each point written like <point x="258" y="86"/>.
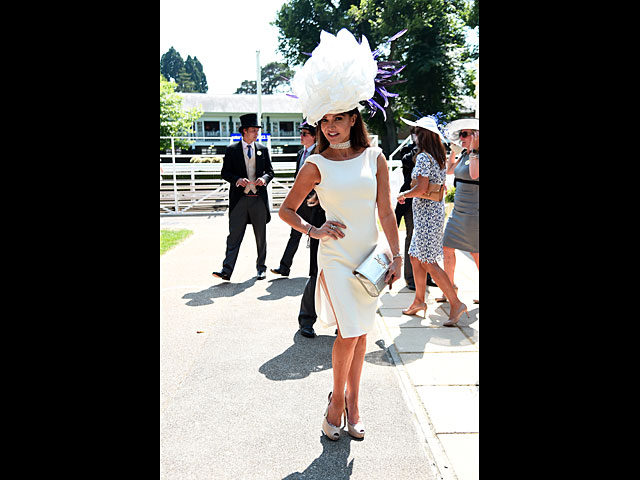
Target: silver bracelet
<point x="309" y="236"/>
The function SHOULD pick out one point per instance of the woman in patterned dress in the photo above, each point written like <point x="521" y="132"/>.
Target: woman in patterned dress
<point x="428" y="220"/>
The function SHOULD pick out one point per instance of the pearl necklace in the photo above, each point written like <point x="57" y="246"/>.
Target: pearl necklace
<point x="341" y="146"/>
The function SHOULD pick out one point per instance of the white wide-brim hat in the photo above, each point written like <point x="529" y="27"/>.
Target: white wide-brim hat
<point x="428" y="123"/>
<point x="453" y="129"/>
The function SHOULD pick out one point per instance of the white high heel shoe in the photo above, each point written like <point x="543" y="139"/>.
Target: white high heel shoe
<point x="355" y="430"/>
<point x="331" y="431"/>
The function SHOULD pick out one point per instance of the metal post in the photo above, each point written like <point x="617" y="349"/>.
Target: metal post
<point x="269" y="187"/>
<point x="477" y="84"/>
<point x="175" y="188"/>
<point x="259" y="87"/>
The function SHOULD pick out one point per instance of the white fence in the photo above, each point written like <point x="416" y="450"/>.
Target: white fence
<point x="197" y="188"/>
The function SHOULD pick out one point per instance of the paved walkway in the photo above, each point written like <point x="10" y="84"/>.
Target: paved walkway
<point x="242" y="394"/>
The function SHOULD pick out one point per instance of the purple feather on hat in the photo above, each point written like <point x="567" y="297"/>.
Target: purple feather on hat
<point x="386" y="70"/>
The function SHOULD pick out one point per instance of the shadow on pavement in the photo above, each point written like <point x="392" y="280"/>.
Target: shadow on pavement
<point x="304" y="357"/>
<point x="379" y="357"/>
<point x="284" y="287"/>
<point x="311" y="355"/>
<point x="435" y="336"/>
<point x="332" y="462"/>
<point x="225" y="289"/>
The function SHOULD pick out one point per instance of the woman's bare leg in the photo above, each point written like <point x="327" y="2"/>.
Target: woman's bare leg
<point x="476" y="257"/>
<point x="449" y="268"/>
<point x="353" y="379"/>
<point x="420" y="279"/>
<point x="444" y="284"/>
<point x="450" y="262"/>
<point x="341" y="359"/>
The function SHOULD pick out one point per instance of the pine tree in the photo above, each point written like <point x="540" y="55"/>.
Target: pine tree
<point x="201" y="80"/>
<point x="170" y="64"/>
<point x="188" y="75"/>
<point x="185" y="84"/>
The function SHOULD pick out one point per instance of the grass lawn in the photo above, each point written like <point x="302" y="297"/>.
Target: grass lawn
<point x="170" y="238"/>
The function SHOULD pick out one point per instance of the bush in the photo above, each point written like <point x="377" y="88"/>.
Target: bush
<point x="450" y="194"/>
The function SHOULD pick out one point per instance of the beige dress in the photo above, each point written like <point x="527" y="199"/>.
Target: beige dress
<point x="347" y="192"/>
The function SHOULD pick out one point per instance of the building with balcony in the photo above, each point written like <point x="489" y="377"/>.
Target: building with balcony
<point x="281" y="117"/>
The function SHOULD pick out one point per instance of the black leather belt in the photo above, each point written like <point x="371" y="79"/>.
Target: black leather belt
<point x="473" y="182"/>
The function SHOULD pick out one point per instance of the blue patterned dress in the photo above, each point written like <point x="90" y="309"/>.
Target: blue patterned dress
<point x="428" y="215"/>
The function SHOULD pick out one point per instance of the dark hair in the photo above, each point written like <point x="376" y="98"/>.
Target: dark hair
<point x="310" y="128"/>
<point x="430" y="143"/>
<point x="358" y="135"/>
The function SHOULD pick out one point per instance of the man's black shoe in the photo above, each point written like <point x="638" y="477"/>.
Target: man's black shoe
<point x="222" y="275"/>
<point x="307" y="332"/>
<point x="430" y="281"/>
<point x="261" y="275"/>
<point x="411" y="287"/>
<point x="280" y="272"/>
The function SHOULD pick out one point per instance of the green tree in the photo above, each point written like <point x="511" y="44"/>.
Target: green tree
<point x="201" y="79"/>
<point x="431" y="49"/>
<point x="174" y="120"/>
<point x="185" y="83"/>
<point x="193" y="67"/>
<point x="170" y="64"/>
<point x="247" y="87"/>
<point x="472" y="17"/>
<point x="275" y="77"/>
<point x="188" y="75"/>
<point x="300" y="21"/>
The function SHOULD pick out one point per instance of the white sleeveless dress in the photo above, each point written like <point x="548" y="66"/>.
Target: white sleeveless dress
<point x="347" y="192"/>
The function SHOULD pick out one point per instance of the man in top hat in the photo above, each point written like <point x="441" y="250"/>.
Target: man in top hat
<point x="247" y="167"/>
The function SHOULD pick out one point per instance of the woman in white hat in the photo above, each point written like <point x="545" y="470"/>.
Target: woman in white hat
<point x="463" y="228"/>
<point x="428" y="219"/>
<point x="351" y="179"/>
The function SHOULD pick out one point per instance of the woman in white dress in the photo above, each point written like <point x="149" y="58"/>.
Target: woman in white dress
<point x="351" y="180"/>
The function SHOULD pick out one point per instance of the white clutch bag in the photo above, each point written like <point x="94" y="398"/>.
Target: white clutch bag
<point x="371" y="272"/>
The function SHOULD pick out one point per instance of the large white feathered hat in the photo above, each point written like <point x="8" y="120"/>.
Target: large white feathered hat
<point x="339" y="75"/>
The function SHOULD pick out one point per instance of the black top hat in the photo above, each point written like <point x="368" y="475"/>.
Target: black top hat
<point x="249" y="120"/>
<point x="311" y="128"/>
